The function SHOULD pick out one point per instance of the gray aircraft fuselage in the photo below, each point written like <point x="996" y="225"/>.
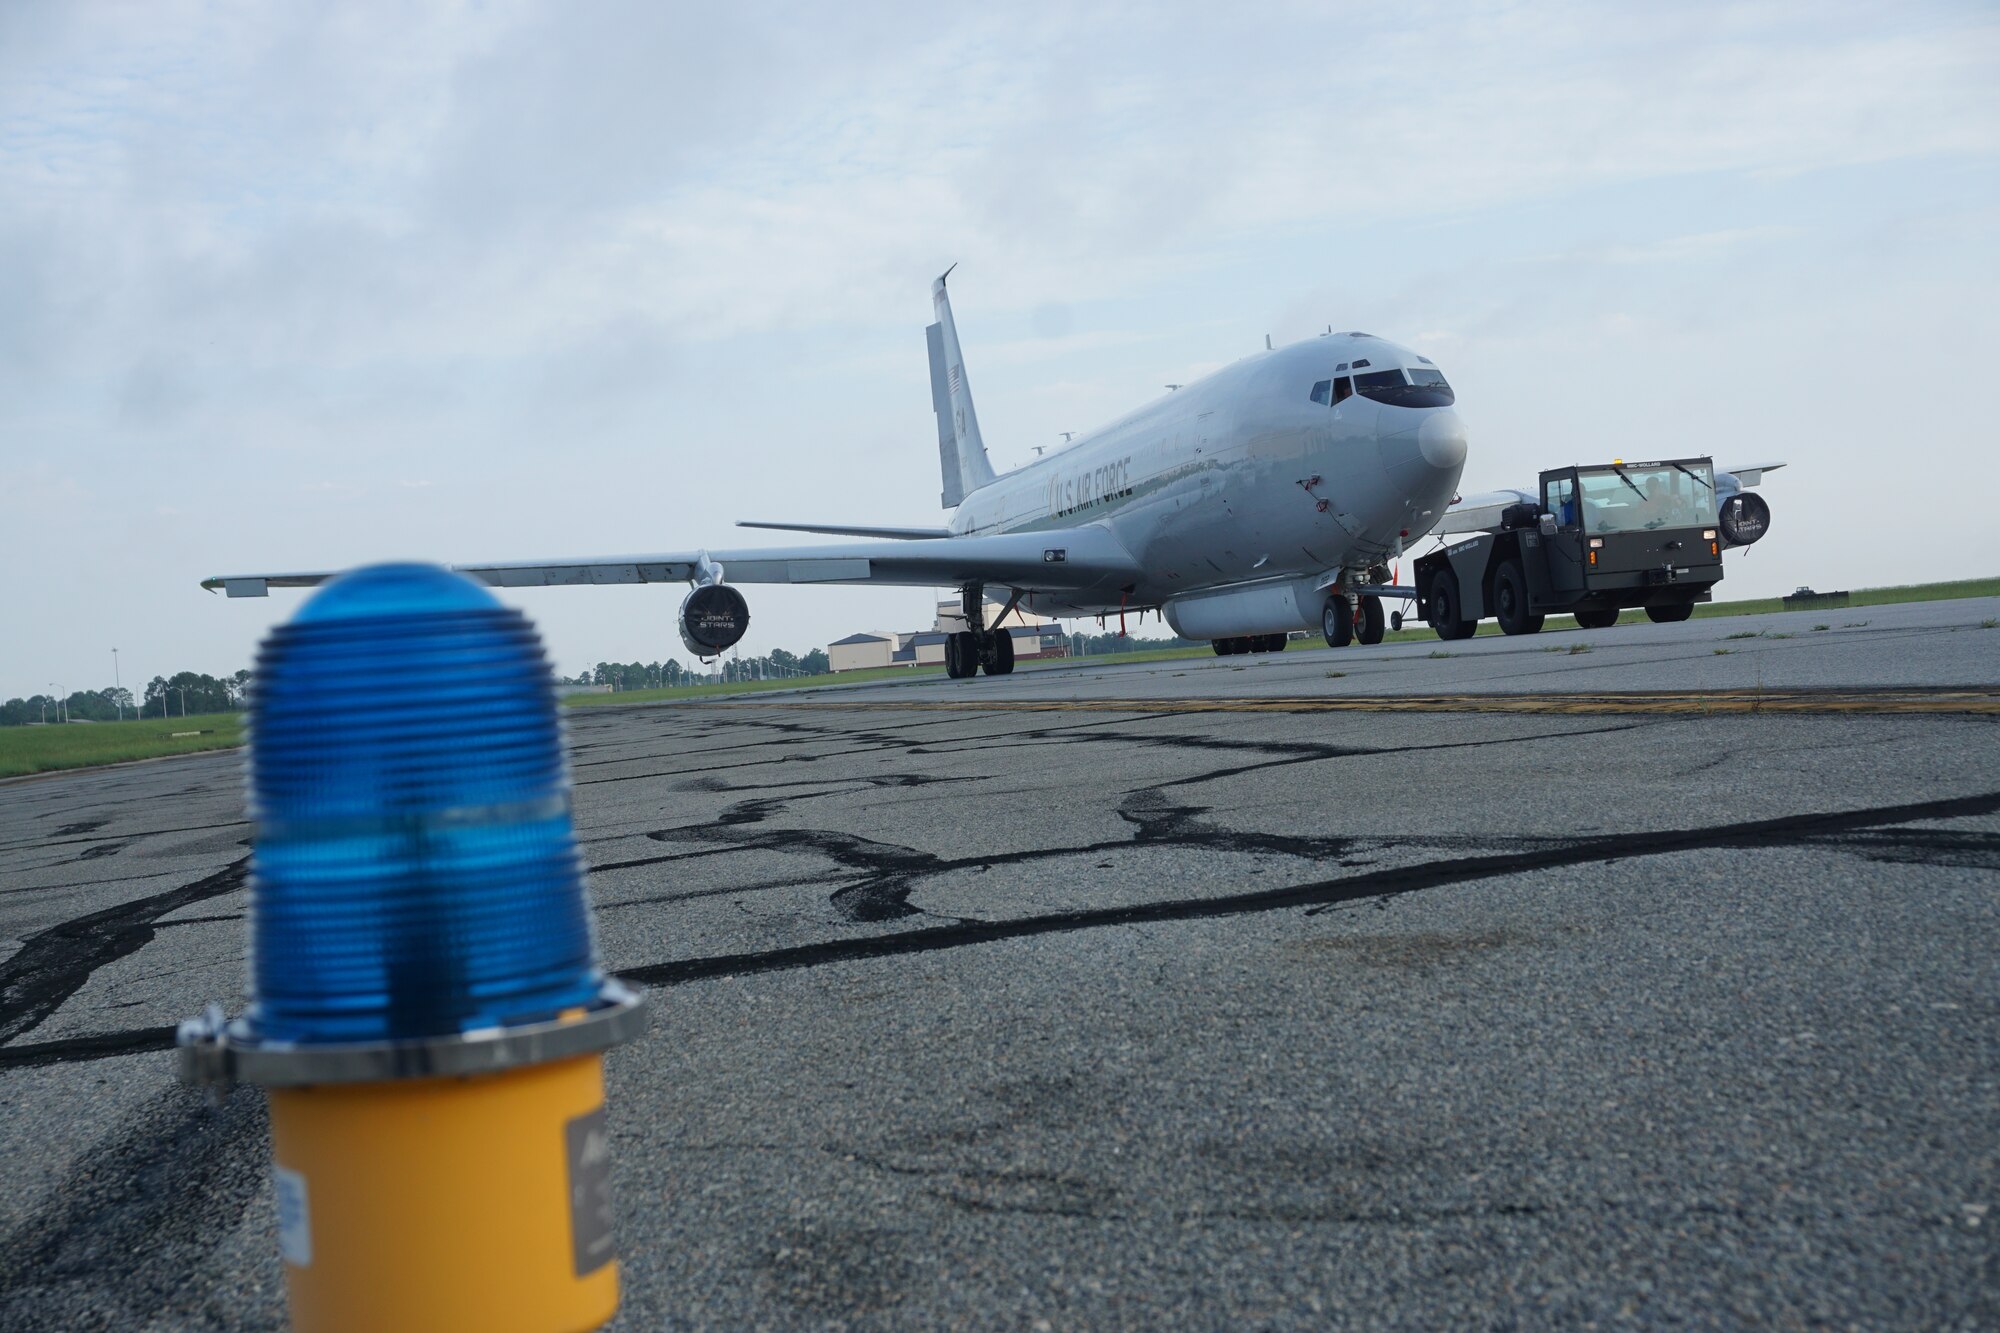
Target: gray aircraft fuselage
<point x="1239" y="506"/>
<point x="1242" y="478"/>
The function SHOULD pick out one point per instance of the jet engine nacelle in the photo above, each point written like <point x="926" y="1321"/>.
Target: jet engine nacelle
<point x="1743" y="518"/>
<point x="712" y="619"/>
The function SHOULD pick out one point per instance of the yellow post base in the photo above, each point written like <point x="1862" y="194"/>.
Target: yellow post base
<point x="444" y="1203"/>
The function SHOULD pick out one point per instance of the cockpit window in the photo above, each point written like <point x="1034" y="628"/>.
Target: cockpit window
<point x="1343" y="389"/>
<point x="1421" y="386"/>
<point x="1319" y="393"/>
<point x="1640" y="497"/>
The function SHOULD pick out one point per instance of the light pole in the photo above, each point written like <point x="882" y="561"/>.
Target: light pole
<point x="117" y="687"/>
<point x="62" y="714"/>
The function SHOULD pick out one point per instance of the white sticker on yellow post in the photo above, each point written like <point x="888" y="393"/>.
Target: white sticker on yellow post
<point x="295" y="1239"/>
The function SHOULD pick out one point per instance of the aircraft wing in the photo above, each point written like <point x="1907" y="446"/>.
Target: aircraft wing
<point x="1065" y="558"/>
<point x="1480" y="512"/>
<point x="849" y="530"/>
<point x="1750" y="473"/>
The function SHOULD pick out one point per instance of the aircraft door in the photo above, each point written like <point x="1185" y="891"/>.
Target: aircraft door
<point x="1565" y="547"/>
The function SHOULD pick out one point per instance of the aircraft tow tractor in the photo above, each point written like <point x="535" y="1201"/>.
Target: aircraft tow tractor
<point x="1601" y="539"/>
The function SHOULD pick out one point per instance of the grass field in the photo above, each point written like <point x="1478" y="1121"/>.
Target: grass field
<point x="87" y="744"/>
<point x="751" y="686"/>
<point x="82" y="745"/>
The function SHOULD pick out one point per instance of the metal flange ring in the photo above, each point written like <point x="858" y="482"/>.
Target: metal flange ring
<point x="218" y="1054"/>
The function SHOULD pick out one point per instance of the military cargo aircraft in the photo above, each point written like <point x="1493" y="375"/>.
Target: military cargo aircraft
<point x="1270" y="496"/>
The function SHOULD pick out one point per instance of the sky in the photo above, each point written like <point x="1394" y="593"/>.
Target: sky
<point x="312" y="286"/>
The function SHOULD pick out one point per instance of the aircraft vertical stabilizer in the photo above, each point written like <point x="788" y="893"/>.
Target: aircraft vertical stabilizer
<point x="960" y="447"/>
<point x="954" y="486"/>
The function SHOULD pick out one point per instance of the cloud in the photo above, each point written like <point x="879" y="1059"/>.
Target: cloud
<point x="360" y="182"/>
<point x="1673" y="249"/>
<point x="474" y="240"/>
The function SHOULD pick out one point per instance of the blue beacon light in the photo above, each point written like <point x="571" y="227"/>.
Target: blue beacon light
<point x="427" y="1013"/>
<point x="415" y="874"/>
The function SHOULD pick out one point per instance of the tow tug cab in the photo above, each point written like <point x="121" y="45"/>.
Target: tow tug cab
<point x="1602" y="538"/>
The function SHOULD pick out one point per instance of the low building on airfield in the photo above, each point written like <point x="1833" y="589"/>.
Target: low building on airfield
<point x="863" y="652"/>
<point x="1034" y="637"/>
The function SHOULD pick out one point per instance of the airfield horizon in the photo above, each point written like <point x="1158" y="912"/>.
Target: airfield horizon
<point x="37" y="750"/>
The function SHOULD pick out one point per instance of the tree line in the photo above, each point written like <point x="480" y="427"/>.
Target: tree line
<point x="670" y="674"/>
<point x="186" y="693"/>
<point x="182" y="694"/>
<point x="1095" y="645"/>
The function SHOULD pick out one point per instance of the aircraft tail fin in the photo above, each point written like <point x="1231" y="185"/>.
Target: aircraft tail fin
<point x="954" y="486"/>
<point x="961" y="450"/>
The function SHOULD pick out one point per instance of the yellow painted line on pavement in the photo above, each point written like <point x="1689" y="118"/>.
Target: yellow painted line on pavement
<point x="1977" y="701"/>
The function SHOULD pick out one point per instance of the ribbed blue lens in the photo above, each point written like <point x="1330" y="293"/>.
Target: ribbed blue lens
<point x="414" y="871"/>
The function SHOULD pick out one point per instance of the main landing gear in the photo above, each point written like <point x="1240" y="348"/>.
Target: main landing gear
<point x="977" y="646"/>
<point x="1344" y="621"/>
<point x="1251" y="643"/>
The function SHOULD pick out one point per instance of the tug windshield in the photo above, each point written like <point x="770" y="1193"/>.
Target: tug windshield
<point x="1642" y="496"/>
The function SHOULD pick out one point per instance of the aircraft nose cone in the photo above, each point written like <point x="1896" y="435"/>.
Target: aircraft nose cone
<point x="1441" y="440"/>
<point x="1426" y="456"/>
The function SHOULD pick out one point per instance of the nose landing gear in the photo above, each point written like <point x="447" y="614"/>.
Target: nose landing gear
<point x="1346" y="621"/>
<point x="1370" y="629"/>
<point x="1336" y="621"/>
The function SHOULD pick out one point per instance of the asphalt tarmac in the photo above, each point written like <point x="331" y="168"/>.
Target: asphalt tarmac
<point x="1518" y="987"/>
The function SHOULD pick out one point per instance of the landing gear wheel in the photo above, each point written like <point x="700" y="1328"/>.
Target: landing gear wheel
<point x="1510" y="601"/>
<point x="1336" y="622"/>
<point x="1444" y="608"/>
<point x="1603" y="619"/>
<point x="1001" y="660"/>
<point x="1670" y="613"/>
<point x="961" y="655"/>
<point x="1224" y="647"/>
<point x="1370" y="629"/>
<point x="1275" y="643"/>
<point x="1396" y="621"/>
